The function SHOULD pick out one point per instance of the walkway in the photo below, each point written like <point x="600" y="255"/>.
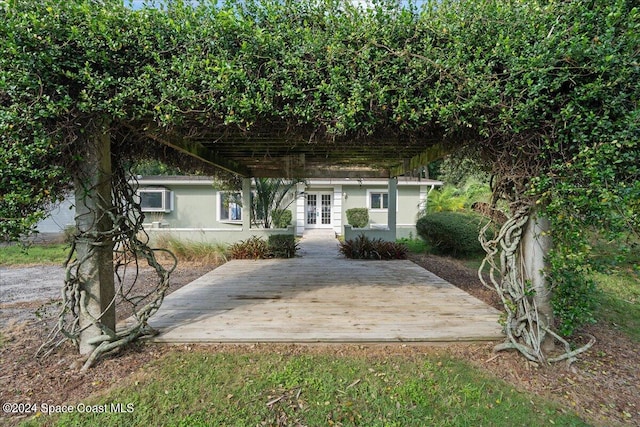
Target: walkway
<point x="323" y="297"/>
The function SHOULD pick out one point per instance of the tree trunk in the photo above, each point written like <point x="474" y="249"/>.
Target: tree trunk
<point x="94" y="245"/>
<point x="535" y="245"/>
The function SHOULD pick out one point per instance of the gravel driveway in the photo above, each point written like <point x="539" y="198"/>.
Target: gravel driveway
<point x="23" y="290"/>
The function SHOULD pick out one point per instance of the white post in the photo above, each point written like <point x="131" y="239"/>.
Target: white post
<point x="393" y="203"/>
<point x="535" y="244"/>
<point x="95" y="253"/>
<point x="246" y="204"/>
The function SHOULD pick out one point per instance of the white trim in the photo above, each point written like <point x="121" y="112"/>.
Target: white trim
<point x="313" y="182"/>
<point x="166" y="195"/>
<point x="318" y="223"/>
<point x="381" y="191"/>
<point x="219" y="194"/>
<point x="402" y="181"/>
<point x="148" y="227"/>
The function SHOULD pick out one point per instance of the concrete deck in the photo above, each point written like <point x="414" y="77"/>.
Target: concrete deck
<point x="323" y="297"/>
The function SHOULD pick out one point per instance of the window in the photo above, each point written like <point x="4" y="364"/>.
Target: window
<point x="156" y="200"/>
<point x="378" y="200"/>
<point x="230" y="206"/>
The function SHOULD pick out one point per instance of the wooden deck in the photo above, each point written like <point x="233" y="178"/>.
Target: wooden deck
<point x="321" y="297"/>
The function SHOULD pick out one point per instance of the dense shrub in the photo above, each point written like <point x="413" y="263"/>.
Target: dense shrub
<point x="358" y="217"/>
<point x="452" y="233"/>
<point x="281" y="218"/>
<point x="278" y="246"/>
<point x="252" y="248"/>
<point x="364" y="248"/>
<point x="283" y="245"/>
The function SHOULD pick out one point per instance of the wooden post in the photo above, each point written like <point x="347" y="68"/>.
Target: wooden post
<point x="536" y="243"/>
<point x="94" y="250"/>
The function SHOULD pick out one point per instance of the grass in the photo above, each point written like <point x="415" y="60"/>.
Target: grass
<point x="619" y="301"/>
<point x="246" y="388"/>
<point x="415" y="244"/>
<point x="188" y="250"/>
<point x="50" y="254"/>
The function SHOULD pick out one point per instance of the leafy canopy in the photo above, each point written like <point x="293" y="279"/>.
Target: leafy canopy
<point x="546" y="91"/>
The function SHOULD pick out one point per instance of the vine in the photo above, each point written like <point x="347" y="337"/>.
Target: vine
<point x="525" y="325"/>
<point x="130" y="249"/>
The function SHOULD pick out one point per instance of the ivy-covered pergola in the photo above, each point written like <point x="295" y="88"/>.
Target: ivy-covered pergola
<point x="543" y="94"/>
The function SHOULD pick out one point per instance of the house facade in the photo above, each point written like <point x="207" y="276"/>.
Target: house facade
<point x="191" y="207"/>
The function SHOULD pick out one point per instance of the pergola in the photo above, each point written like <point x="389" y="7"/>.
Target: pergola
<point x="283" y="153"/>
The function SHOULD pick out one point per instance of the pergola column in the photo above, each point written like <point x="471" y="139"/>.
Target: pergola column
<point x="94" y="247"/>
<point x="392" y="208"/>
<point x="246" y="204"/>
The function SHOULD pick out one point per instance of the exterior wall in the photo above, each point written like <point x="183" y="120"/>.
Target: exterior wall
<point x="194" y="206"/>
<point x="219" y="235"/>
<point x="409" y="202"/>
<point x="195" y="209"/>
<point x="61" y="216"/>
<point x="195" y="215"/>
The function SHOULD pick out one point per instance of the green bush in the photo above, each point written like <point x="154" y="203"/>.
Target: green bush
<point x="252" y="248"/>
<point x="281" y="218"/>
<point x="278" y="246"/>
<point x="364" y="248"/>
<point x="358" y="217"/>
<point x="452" y="233"/>
<point x="283" y="245"/>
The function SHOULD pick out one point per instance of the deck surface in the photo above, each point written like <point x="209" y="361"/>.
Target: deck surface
<point x="322" y="297"/>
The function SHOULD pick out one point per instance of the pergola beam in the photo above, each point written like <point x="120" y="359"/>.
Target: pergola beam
<point x="200" y="152"/>
<point x="418" y="161"/>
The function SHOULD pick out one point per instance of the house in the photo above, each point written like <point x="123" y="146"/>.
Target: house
<point x="192" y="208"/>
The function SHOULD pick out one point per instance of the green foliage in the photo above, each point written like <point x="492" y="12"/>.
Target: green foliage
<point x="358" y="217"/>
<point x="188" y="250"/>
<point x="278" y="245"/>
<point x="281" y="218"/>
<point x="452" y="233"/>
<point x="574" y="297"/>
<point x="414" y="245"/>
<point x="269" y="199"/>
<point x="619" y="301"/>
<point x="446" y="199"/>
<point x="363" y="247"/>
<point x="283" y="245"/>
<point x="17" y="254"/>
<point x="546" y="93"/>
<point x="252" y="248"/>
<point x="148" y="167"/>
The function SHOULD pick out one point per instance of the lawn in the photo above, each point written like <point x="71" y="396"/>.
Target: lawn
<point x="17" y="255"/>
<point x="250" y="388"/>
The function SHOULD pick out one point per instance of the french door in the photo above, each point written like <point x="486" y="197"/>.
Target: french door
<point x="318" y="210"/>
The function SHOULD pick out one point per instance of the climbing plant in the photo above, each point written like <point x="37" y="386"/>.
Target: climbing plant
<point x="544" y="93"/>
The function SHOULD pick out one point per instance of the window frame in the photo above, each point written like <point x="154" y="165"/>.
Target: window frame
<point x="166" y="198"/>
<point x="382" y="193"/>
<point x="220" y="200"/>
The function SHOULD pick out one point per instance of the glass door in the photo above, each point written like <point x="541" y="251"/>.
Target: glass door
<point x="318" y="210"/>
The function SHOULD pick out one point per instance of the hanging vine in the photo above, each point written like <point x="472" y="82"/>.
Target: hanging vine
<point x="130" y="252"/>
<point x="525" y="325"/>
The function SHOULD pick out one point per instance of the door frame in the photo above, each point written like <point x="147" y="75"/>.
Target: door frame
<point x="318" y="195"/>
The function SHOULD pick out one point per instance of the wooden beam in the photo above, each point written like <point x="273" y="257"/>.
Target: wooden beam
<point x="200" y="152"/>
<point x="429" y="155"/>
